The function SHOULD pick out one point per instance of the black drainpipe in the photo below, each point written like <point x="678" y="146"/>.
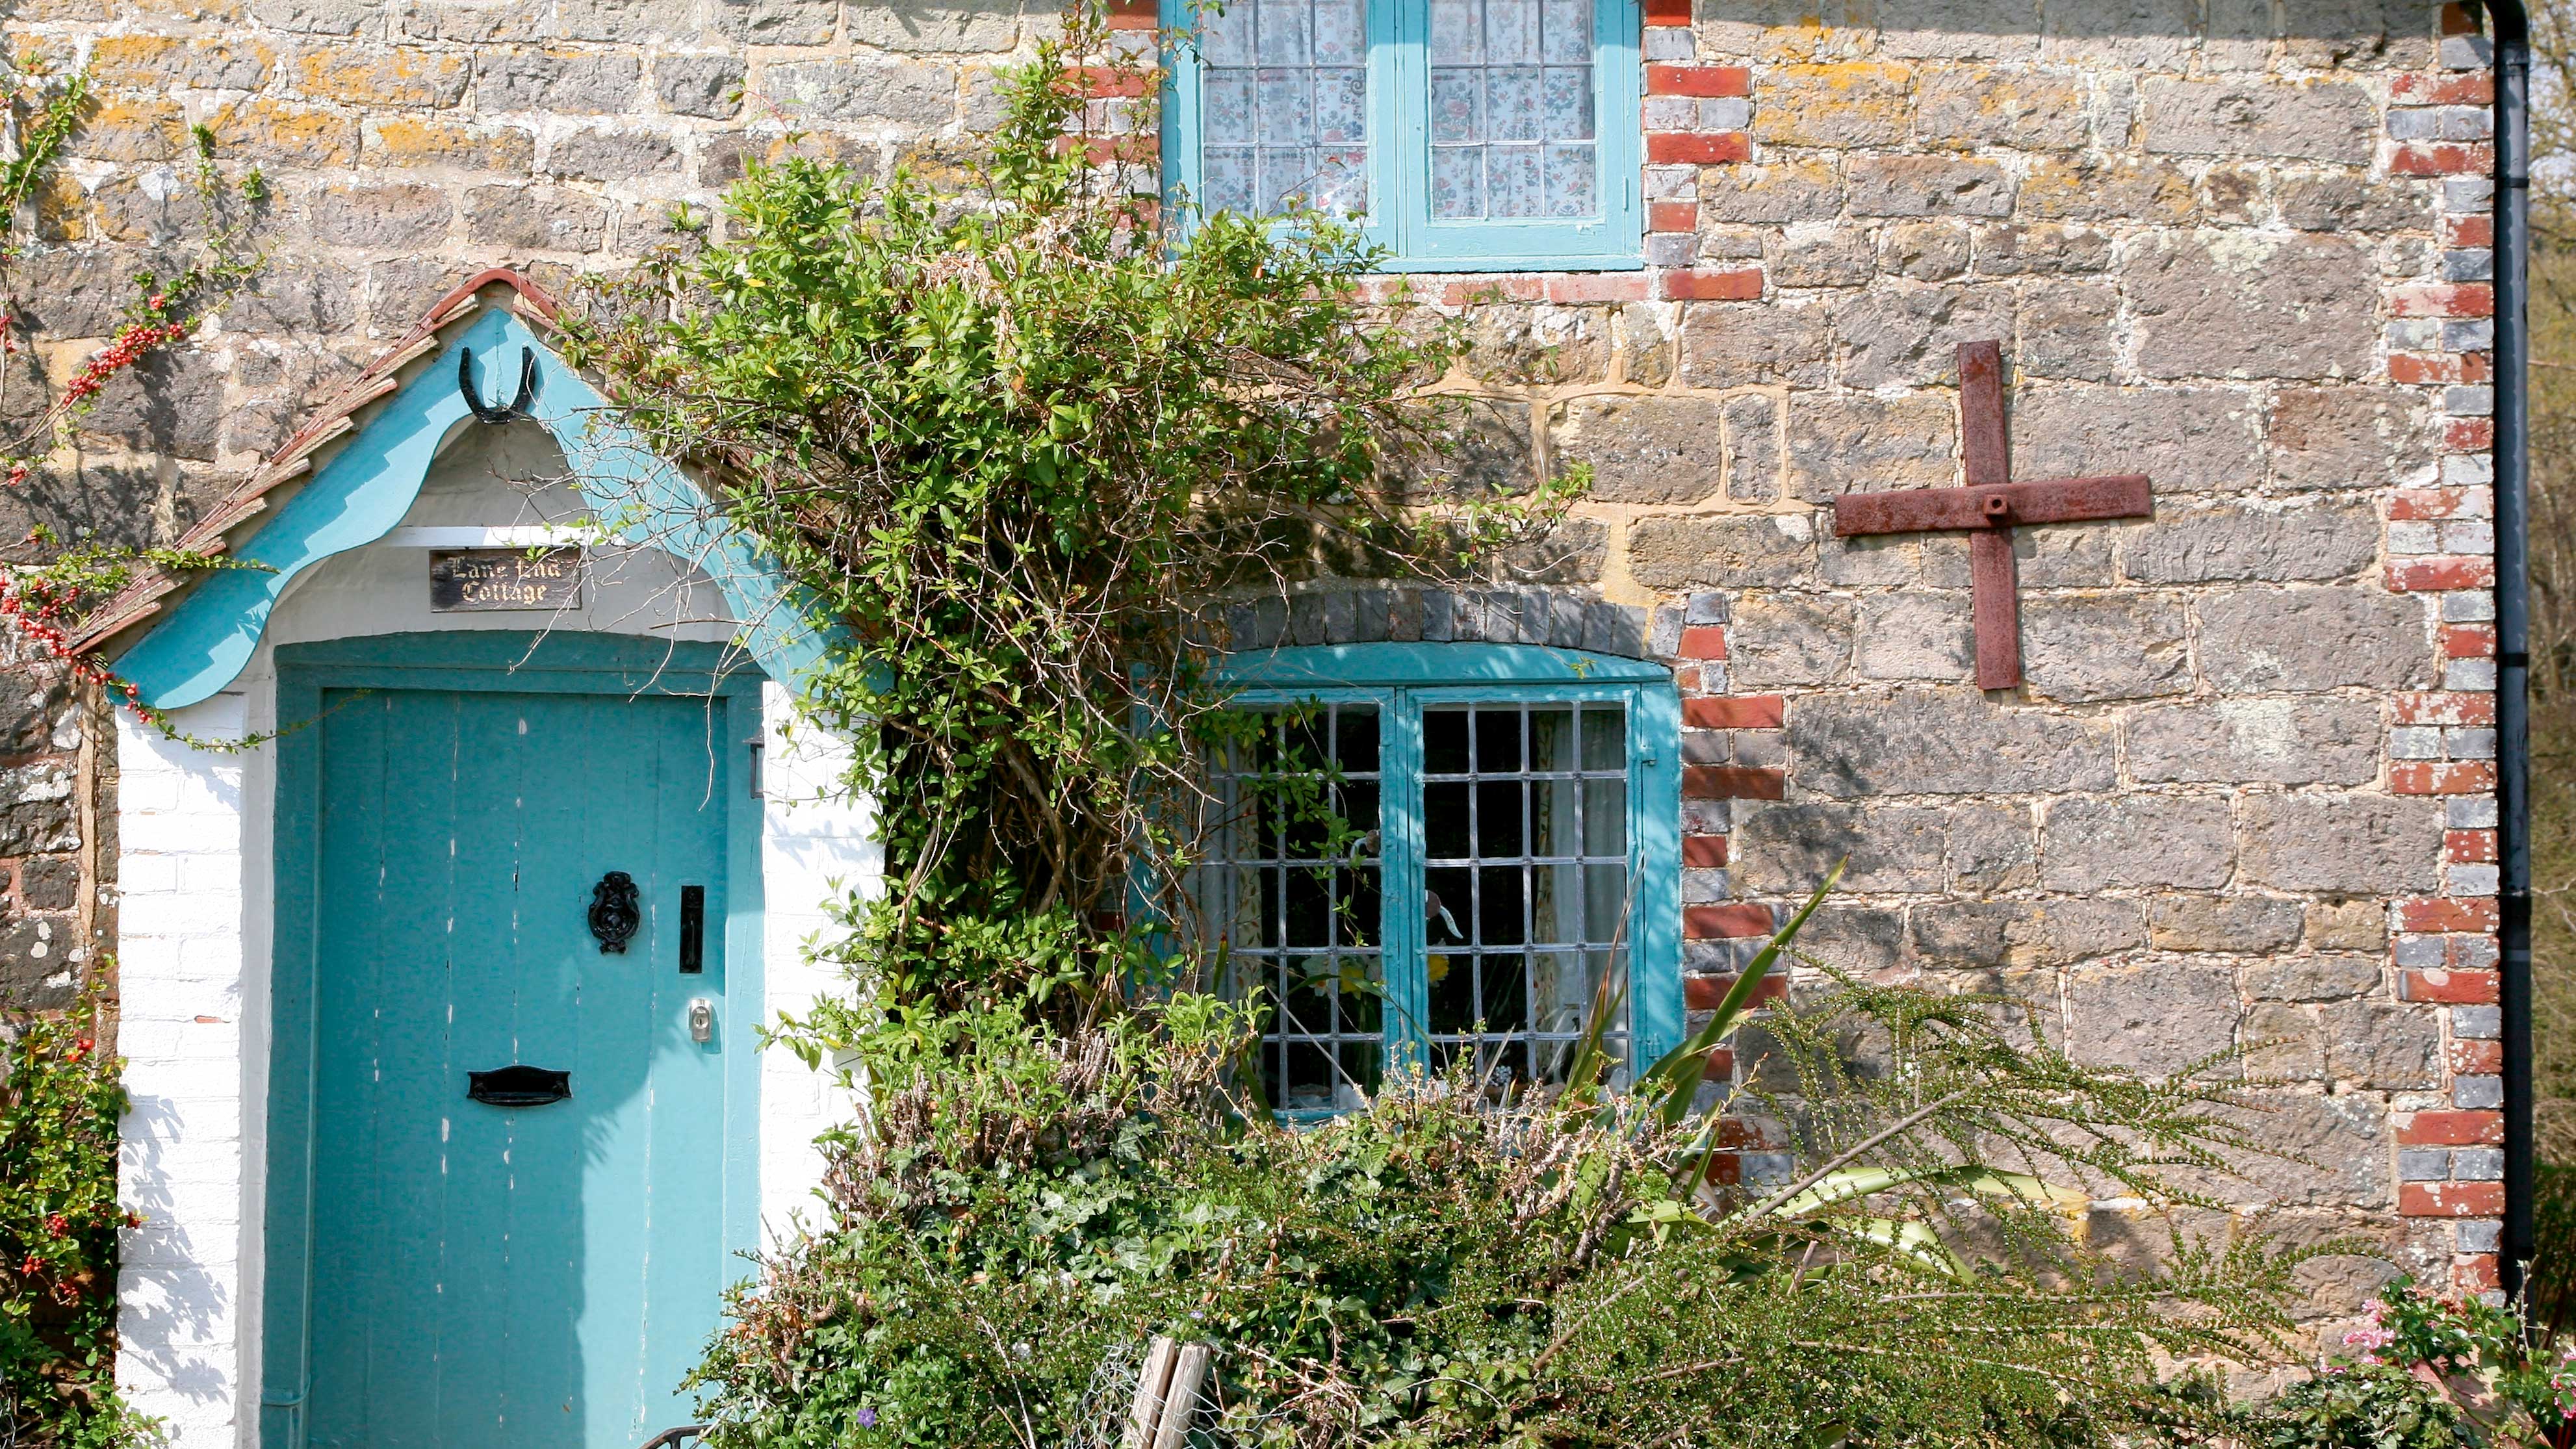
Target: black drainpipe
<point x="2512" y="36"/>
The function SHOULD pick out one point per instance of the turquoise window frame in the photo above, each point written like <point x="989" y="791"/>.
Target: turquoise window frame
<point x="1399" y="181"/>
<point x="1402" y="680"/>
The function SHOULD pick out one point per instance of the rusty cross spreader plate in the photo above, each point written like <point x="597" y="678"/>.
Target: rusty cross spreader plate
<point x="1988" y="509"/>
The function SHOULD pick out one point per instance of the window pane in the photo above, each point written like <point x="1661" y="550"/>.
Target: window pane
<point x="1526" y="864"/>
<point x="1512" y="109"/>
<point x="1284" y="107"/>
<point x="1289" y="897"/>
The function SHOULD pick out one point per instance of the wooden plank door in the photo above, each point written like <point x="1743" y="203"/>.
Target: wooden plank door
<point x="537" y="1277"/>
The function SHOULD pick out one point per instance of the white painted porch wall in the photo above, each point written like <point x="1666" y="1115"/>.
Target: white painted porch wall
<point x="195" y="874"/>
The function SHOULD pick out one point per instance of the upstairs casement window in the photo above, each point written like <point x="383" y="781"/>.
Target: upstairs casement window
<point x="1461" y="135"/>
<point x="1499" y="831"/>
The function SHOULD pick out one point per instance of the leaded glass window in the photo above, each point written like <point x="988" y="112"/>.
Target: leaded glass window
<point x="1286" y="107"/>
<point x="1511" y="109"/>
<point x="1431" y="873"/>
<point x="1525" y="871"/>
<point x="1459" y="134"/>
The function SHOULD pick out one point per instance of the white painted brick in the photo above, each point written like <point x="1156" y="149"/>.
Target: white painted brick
<point x="2468" y="606"/>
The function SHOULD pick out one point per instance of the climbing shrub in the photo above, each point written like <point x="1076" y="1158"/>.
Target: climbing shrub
<point x="48" y="582"/>
<point x="1013" y="436"/>
<point x="59" y="1218"/>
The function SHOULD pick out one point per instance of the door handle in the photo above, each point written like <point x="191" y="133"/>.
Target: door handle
<point x="518" y="1086"/>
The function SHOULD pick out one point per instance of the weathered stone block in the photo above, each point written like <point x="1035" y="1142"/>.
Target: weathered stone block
<point x="2313" y="121"/>
<point x="1992" y="848"/>
<point x="2284" y="1042"/>
<point x="2349" y="437"/>
<point x="1646" y="449"/>
<point x="1724" y="347"/>
<point x="1787" y="849"/>
<point x="2022" y="934"/>
<point x="318" y="17"/>
<point x="611" y="155"/>
<point x="627" y="22"/>
<point x="1509" y="345"/>
<point x="777" y="22"/>
<point x="1943" y="742"/>
<point x="1850" y="104"/>
<point x="2263" y="640"/>
<point x="1775" y="195"/>
<point x="1912" y="335"/>
<point x="2229" y="304"/>
<point x="2343" y="202"/>
<point x="2332" y="1151"/>
<point x="1571" y="551"/>
<point x="1790" y="639"/>
<point x="2257" y="741"/>
<point x="2311" y="978"/>
<point x="918" y="29"/>
<point x="541" y="218"/>
<point x="171" y="402"/>
<point x="1868" y="559"/>
<point x="1960" y="30"/>
<point x="1965" y="106"/>
<point x="2382" y="1045"/>
<point x="1927" y="251"/>
<point x="390" y="76"/>
<point x="913" y="93"/>
<point x="1752" y="449"/>
<point x="2153" y="192"/>
<point x="1927" y="186"/>
<point x="1915" y="635"/>
<point x="2270" y="543"/>
<point x="1720" y="552"/>
<point x="2084" y="649"/>
<point x="1860" y="444"/>
<point x="2183" y="439"/>
<point x="2246" y="925"/>
<point x="165" y="62"/>
<point x="1854" y="938"/>
<point x="2166" y="841"/>
<point x="699" y="85"/>
<point x="1828" y="254"/>
<point x="2156" y="1016"/>
<point x="473" y="22"/>
<point x="2040" y="249"/>
<point x="2348" y="926"/>
<point x="2347" y="844"/>
<point x="378" y="216"/>
<point x="283" y="134"/>
<point x="403" y="141"/>
<point x="2069" y="330"/>
<point x="562" y="81"/>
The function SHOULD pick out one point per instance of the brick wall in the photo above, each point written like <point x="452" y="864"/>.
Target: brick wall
<point x="2239" y="247"/>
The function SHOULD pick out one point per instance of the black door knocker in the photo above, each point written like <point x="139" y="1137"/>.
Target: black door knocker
<point x="518" y="406"/>
<point x="614" y="913"/>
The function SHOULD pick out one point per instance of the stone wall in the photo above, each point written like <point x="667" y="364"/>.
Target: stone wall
<point x="2241" y="247"/>
<point x="2245" y="794"/>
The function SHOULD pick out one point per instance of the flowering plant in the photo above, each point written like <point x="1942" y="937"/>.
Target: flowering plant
<point x="2425" y="1372"/>
<point x="59" y="1221"/>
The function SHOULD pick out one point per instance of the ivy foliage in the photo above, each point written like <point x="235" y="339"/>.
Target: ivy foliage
<point x="59" y="1219"/>
<point x="1012" y="436"/>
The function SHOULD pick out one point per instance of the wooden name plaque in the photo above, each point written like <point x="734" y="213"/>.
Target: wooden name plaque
<point x="473" y="580"/>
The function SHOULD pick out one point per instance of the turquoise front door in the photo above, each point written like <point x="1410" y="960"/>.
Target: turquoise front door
<point x="537" y="1275"/>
